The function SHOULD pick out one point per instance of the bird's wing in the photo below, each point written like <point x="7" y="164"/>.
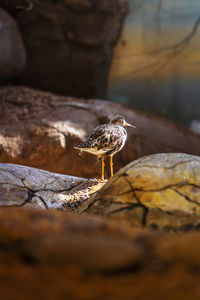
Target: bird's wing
<point x="104" y="137"/>
<point x="97" y="137"/>
<point x="107" y="137"/>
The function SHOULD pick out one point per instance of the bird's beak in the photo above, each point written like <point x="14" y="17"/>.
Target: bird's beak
<point x="129" y="125"/>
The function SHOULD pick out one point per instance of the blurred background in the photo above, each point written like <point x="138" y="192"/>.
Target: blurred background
<point x="142" y="53"/>
<point x="156" y="64"/>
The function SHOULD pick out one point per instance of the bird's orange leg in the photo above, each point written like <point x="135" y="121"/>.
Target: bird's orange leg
<point x="102" y="169"/>
<point x="111" y="167"/>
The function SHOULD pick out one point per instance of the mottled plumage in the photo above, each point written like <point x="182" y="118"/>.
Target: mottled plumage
<point x="106" y="140"/>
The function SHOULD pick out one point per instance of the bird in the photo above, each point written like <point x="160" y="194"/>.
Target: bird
<point x="105" y="141"/>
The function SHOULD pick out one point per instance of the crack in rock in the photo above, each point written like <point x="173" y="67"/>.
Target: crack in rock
<point x="28" y="199"/>
<point x="170" y="198"/>
<point x="168" y="168"/>
<point x="66" y="191"/>
<point x="187" y="198"/>
<point x="43" y="201"/>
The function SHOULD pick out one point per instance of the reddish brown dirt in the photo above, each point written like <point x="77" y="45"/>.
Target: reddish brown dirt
<point x="54" y="255"/>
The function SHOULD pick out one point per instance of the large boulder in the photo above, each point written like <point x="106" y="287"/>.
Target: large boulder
<point x="69" y="43"/>
<point x="26" y="186"/>
<point x="40" y="129"/>
<point x="12" y="50"/>
<point x="161" y="191"/>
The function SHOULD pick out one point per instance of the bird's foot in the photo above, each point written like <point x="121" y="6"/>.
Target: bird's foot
<point x="102" y="180"/>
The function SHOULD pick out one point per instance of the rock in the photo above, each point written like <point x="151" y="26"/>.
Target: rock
<point x="40" y="129"/>
<point x="25" y="186"/>
<point x="12" y="50"/>
<point x="54" y="238"/>
<point x="161" y="191"/>
<point x="69" y="43"/>
<point x="56" y="255"/>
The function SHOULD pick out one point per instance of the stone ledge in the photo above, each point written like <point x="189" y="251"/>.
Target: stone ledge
<point x="26" y="186"/>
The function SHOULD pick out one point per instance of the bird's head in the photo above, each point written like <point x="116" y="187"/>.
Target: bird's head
<point x="119" y="120"/>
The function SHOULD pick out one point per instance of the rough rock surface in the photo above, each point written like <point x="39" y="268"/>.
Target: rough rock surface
<point x="158" y="191"/>
<point x="25" y="186"/>
<point x="12" y="50"/>
<point x="39" y="129"/>
<point x="54" y="255"/>
<point x="69" y="43"/>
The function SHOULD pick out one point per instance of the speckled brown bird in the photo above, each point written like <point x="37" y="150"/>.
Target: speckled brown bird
<point x="106" y="140"/>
